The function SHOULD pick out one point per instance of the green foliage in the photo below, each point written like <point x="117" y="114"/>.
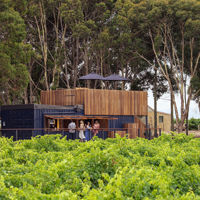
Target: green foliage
<point x="13" y="52"/>
<point x="79" y="36"/>
<point x="194" y="123"/>
<point x="48" y="167"/>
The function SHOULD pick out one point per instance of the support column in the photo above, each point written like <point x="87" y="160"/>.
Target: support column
<point x="58" y="124"/>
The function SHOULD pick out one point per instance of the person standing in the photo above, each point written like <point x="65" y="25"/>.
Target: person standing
<point x="88" y="131"/>
<point x="96" y="128"/>
<point x="81" y="131"/>
<point x="72" y="130"/>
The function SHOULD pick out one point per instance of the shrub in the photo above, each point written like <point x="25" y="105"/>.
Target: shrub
<point x="49" y="167"/>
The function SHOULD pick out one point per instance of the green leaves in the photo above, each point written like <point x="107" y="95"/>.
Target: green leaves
<point x="13" y="71"/>
<point x="194" y="123"/>
<point x="12" y="26"/>
<point x="48" y="167"/>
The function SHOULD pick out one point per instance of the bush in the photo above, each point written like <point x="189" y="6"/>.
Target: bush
<point x="194" y="123"/>
<point x="51" y="168"/>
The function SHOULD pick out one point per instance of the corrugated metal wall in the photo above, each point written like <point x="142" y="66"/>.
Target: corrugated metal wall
<point x="33" y="117"/>
<point x="120" y="121"/>
<point x="19" y="118"/>
<point x="16" y="119"/>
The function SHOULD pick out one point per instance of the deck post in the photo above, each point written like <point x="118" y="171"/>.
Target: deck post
<point x="127" y="133"/>
<point x="146" y="133"/>
<point x="58" y="124"/>
<point x="138" y="132"/>
<point x="89" y="134"/>
<point x="159" y="131"/>
<point x="149" y="134"/>
<point x="16" y="134"/>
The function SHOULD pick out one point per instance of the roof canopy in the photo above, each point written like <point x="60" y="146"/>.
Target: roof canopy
<point x="92" y="76"/>
<point x="79" y="117"/>
<point x="115" y="77"/>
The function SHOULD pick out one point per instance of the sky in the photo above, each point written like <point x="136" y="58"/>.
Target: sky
<point x="163" y="105"/>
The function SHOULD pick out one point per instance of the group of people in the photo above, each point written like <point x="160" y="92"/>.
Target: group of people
<point x="85" y="130"/>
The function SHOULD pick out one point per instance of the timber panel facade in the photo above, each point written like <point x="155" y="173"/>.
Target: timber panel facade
<point x="99" y="102"/>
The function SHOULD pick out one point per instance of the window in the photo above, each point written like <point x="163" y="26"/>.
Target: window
<point x="161" y="119"/>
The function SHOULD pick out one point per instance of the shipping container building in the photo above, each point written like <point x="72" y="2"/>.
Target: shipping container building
<point x="121" y="111"/>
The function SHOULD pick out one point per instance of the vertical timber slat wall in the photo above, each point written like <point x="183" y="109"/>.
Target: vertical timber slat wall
<point x="99" y="102"/>
<point x="132" y="129"/>
<point x="115" y="102"/>
<point x="141" y="126"/>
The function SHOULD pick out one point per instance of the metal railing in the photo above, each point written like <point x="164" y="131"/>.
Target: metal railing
<point x="27" y="133"/>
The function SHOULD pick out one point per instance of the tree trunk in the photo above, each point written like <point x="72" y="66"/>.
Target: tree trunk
<point x="186" y="125"/>
<point x="31" y="92"/>
<point x="65" y="57"/>
<point x="155" y="105"/>
<point x="172" y="113"/>
<point x="101" y="69"/>
<point x="86" y="60"/>
<point x="42" y="34"/>
<point x="25" y="96"/>
<point x="174" y="60"/>
<point x="3" y="98"/>
<point x="76" y="62"/>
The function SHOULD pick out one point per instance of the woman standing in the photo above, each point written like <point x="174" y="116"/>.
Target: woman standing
<point x="96" y="128"/>
<point x="87" y="131"/>
<point x="81" y="131"/>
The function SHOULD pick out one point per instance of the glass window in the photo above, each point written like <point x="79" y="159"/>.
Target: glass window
<point x="161" y="118"/>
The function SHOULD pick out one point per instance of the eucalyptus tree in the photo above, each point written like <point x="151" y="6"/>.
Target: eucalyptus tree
<point x="123" y="42"/>
<point x="87" y="22"/>
<point x="13" y="54"/>
<point x="46" y="34"/>
<point x="172" y="28"/>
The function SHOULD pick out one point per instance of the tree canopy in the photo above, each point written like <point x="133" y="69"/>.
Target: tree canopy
<point x="47" y="44"/>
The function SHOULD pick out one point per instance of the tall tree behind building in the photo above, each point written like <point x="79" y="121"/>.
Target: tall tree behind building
<point x="13" y="54"/>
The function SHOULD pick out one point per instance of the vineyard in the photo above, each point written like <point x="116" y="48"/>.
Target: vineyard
<point x="52" y="168"/>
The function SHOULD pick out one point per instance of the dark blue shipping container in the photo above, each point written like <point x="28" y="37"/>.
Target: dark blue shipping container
<point x="122" y="119"/>
<point x="30" y="116"/>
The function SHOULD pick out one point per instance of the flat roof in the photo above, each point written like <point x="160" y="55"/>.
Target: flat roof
<point x="78" y="117"/>
<point x="35" y="106"/>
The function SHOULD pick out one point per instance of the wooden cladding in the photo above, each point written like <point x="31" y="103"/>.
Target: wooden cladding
<point x="141" y="126"/>
<point x="63" y="97"/>
<point x="115" y="102"/>
<point x="136" y="129"/>
<point x="99" y="102"/>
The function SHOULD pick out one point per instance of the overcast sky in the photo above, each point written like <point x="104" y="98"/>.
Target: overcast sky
<point x="164" y="105"/>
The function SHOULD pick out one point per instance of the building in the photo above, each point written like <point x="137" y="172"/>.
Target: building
<point x="117" y="111"/>
<point x="163" y="120"/>
<point x="25" y="121"/>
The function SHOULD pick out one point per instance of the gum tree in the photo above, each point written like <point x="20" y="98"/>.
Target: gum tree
<point x="13" y="57"/>
<point x="172" y="29"/>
